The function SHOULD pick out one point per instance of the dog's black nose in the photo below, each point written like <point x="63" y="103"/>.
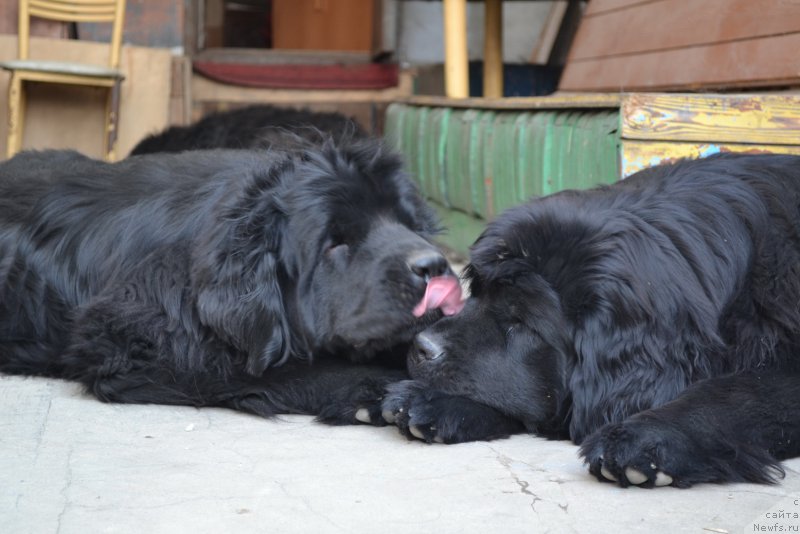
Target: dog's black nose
<point x="428" y="264"/>
<point x="427" y="347"/>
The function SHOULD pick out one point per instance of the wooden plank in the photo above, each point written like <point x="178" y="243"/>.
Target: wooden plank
<point x="180" y="94"/>
<point x="547" y="38"/>
<point x="204" y="89"/>
<point x="638" y="155"/>
<point x="282" y="57"/>
<point x="554" y="101"/>
<point x="323" y="24"/>
<point x="770" y="61"/>
<point x="566" y="34"/>
<point x="682" y="23"/>
<point x="741" y="118"/>
<point x="599" y="7"/>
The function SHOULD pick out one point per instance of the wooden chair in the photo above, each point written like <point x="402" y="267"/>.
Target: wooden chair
<point x="24" y="69"/>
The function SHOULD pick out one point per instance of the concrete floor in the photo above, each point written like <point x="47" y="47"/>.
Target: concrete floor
<point x="70" y="464"/>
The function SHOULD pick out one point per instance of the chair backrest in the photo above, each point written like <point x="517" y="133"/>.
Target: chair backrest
<point x="112" y="11"/>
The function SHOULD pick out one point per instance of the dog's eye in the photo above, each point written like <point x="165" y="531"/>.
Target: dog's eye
<point x="512" y="328"/>
<point x="338" y="251"/>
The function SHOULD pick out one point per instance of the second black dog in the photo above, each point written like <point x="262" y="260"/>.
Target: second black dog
<point x="259" y="126"/>
<point x="656" y="322"/>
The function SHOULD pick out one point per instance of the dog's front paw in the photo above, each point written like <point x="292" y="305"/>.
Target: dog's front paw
<point x="648" y="452"/>
<point x="632" y="454"/>
<point x="360" y="403"/>
<point x="437" y="417"/>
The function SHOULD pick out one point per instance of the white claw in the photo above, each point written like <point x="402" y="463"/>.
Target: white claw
<point x="438" y="439"/>
<point x="663" y="479"/>
<point x="635" y="476"/>
<point x="607" y="474"/>
<point x="362" y="414"/>
<point x="388" y="416"/>
<point x="416" y="432"/>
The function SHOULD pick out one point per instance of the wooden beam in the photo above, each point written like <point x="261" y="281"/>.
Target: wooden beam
<point x="554" y="101"/>
<point x="456" y="75"/>
<point x="493" y="49"/>
<point x="206" y="90"/>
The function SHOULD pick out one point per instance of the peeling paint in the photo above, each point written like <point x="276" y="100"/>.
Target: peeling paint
<point x="637" y="155"/>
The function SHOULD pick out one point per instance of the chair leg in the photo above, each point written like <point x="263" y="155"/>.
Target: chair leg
<point x="112" y="122"/>
<point x="16" y="104"/>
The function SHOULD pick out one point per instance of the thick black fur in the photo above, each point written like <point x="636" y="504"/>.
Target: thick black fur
<point x="259" y="126"/>
<point x="655" y="321"/>
<point x="247" y="279"/>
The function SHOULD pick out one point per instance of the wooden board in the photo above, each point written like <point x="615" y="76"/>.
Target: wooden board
<point x="547" y="38"/>
<point x="767" y="62"/>
<point x="637" y="155"/>
<point x="603" y="6"/>
<point x="743" y="118"/>
<point x="323" y="24"/>
<point x="554" y="101"/>
<point x="180" y="93"/>
<point x="674" y="44"/>
<point x="72" y="117"/>
<point x="669" y="24"/>
<point x="204" y="89"/>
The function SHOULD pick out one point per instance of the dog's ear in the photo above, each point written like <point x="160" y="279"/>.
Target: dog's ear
<point x="236" y="279"/>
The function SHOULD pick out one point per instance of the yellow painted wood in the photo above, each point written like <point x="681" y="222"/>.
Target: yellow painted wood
<point x="71" y="79"/>
<point x="741" y="118"/>
<point x="638" y="155"/>
<point x="456" y="74"/>
<point x="23" y="31"/>
<point x="100" y="10"/>
<point x="111" y="122"/>
<point x="15" y="109"/>
<point x="493" y="49"/>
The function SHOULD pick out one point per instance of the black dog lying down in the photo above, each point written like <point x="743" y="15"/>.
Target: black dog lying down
<point x="246" y="279"/>
<point x="656" y="322"/>
<point x="259" y="126"/>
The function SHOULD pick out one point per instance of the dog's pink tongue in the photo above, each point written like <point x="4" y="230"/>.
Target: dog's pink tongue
<point x="442" y="292"/>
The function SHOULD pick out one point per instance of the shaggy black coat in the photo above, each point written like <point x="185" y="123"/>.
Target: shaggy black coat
<point x="655" y="321"/>
<point x="216" y="277"/>
<point x="259" y="126"/>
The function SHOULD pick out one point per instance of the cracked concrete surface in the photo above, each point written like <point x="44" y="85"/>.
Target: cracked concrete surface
<point x="70" y="464"/>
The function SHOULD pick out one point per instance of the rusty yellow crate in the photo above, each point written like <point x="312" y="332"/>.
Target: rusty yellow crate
<point x="658" y="128"/>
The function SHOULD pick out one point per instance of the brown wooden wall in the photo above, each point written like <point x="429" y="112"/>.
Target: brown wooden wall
<point x="626" y="45"/>
<point x="9" y="17"/>
<point x="324" y="24"/>
<point x="154" y="23"/>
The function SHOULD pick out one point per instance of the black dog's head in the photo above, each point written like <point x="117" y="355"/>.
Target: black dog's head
<point x="357" y="243"/>
<point x="575" y="312"/>
<point x="327" y="251"/>
<point x="510" y="348"/>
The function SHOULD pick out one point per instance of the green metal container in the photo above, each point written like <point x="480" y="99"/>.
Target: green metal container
<point x="474" y="163"/>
